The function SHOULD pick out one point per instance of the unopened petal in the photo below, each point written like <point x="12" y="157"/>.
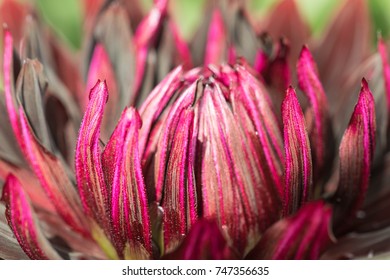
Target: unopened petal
<point x="88" y="168"/>
<point x="356" y="155"/>
<point x="298" y="163"/>
<point x="131" y="233"/>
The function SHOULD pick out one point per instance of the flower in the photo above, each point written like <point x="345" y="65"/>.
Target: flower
<point x="238" y="155"/>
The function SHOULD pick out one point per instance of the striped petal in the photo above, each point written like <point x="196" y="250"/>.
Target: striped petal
<point x="259" y="106"/>
<point x="88" y="168"/>
<point x="174" y="169"/>
<point x="303" y="236"/>
<point x="24" y="222"/>
<point x="130" y="222"/>
<point x="298" y="164"/>
<point x="179" y="195"/>
<point x="356" y="154"/>
<point x="321" y="135"/>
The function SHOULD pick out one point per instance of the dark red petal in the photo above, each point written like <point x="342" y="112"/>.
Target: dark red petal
<point x="356" y="154"/>
<point x="204" y="242"/>
<point x="298" y="164"/>
<point x="88" y="168"/>
<point x="129" y="207"/>
<point x="321" y="135"/>
<point x="302" y="236"/>
<point x="24" y="222"/>
<point x="54" y="180"/>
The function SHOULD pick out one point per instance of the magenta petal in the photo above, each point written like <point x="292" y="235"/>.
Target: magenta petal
<point x="321" y="132"/>
<point x="216" y="40"/>
<point x="24" y="222"/>
<point x="131" y="232"/>
<point x="9" y="86"/>
<point x="302" y="236"/>
<point x="89" y="173"/>
<point x="356" y="154"/>
<point x="54" y="180"/>
<point x="298" y="172"/>
<point x="156" y="102"/>
<point x="204" y="242"/>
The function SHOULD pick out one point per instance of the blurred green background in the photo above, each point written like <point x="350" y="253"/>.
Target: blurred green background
<point x="66" y="16"/>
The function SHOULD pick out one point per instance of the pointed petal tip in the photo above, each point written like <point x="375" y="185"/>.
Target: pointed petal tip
<point x="365" y="85"/>
<point x="99" y="88"/>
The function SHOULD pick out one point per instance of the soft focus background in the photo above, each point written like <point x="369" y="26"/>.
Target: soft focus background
<point x="65" y="15"/>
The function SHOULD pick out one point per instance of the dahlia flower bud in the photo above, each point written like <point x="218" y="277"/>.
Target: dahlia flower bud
<point x="214" y="149"/>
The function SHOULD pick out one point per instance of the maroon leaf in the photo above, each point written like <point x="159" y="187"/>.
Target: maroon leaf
<point x="303" y="236"/>
<point x="298" y="164"/>
<point x="24" y="223"/>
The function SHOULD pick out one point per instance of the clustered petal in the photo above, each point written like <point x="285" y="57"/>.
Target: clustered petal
<point x="232" y="159"/>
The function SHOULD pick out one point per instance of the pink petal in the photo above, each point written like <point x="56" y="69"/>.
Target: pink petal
<point x="204" y="242"/>
<point x="54" y="180"/>
<point x="356" y="154"/>
<point x="321" y="135"/>
<point x="303" y="236"/>
<point x="131" y="231"/>
<point x="298" y="164"/>
<point x="156" y="102"/>
<point x="9" y="86"/>
<point x="216" y="40"/>
<point x="24" y="223"/>
<point x="88" y="168"/>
